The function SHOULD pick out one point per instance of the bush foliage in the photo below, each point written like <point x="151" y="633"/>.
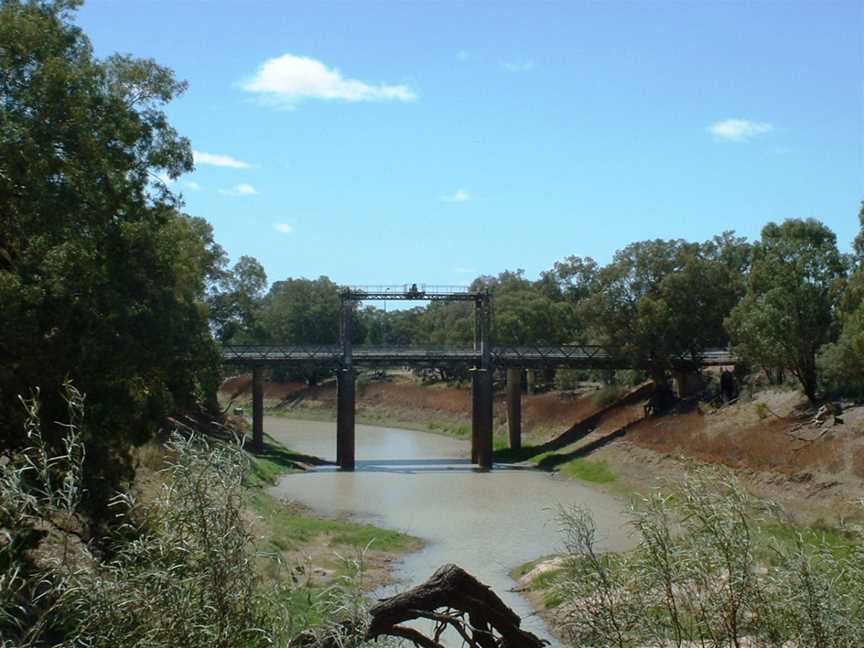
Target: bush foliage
<point x="180" y="570"/>
<point x="704" y="574"/>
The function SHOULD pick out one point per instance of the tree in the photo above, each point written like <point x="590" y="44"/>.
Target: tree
<point x="575" y="276"/>
<point x="842" y="362"/>
<point x="102" y="278"/>
<point x="787" y="313"/>
<point x="236" y="302"/>
<point x="859" y="240"/>
<point x="306" y="312"/>
<point x="658" y="300"/>
<point x="530" y="317"/>
<point x="302" y="311"/>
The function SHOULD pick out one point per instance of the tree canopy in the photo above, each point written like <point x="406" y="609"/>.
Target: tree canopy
<point x="102" y="277"/>
<point x="787" y="314"/>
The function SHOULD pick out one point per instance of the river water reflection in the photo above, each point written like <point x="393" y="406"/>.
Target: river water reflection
<point x="423" y="484"/>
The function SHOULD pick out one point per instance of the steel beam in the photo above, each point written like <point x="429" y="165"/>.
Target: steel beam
<point x="514" y="406"/>
<point x="258" y="409"/>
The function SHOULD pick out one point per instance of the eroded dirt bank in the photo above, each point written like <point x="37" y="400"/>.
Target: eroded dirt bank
<point x="814" y="471"/>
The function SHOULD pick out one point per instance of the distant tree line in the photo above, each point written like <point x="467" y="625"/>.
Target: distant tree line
<point x="789" y="302"/>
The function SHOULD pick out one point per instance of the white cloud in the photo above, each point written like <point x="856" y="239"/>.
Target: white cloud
<point x="739" y="130"/>
<point x="284" y="228"/>
<point x="289" y="79"/>
<point x="242" y="189"/>
<point x="458" y="196"/>
<point x="518" y="66"/>
<point x="215" y="159"/>
<point x="192" y="185"/>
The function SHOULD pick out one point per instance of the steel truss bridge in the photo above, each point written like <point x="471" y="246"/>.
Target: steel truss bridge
<point x="576" y="356"/>
<point x="481" y="359"/>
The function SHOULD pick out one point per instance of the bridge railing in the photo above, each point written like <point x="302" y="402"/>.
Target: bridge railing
<point x="577" y="355"/>
<point x="408" y="292"/>
<point x="409" y="350"/>
<point x="280" y="352"/>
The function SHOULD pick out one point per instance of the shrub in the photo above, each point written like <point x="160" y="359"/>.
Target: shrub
<point x="841" y="363"/>
<point x="607" y="395"/>
<point x="39" y="496"/>
<point x="183" y="571"/>
<point x="569" y="379"/>
<point x="697" y="578"/>
<point x="179" y="571"/>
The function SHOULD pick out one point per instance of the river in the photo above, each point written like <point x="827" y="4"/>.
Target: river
<point x="423" y="484"/>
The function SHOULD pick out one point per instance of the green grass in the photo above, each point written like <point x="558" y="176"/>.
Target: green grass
<point x="785" y="536"/>
<point x="276" y="460"/>
<point x="596" y="472"/>
<point x="518" y="572"/>
<point x="544" y="582"/>
<point x="291" y="527"/>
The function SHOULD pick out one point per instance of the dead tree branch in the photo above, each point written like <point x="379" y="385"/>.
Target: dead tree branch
<point x="491" y="624"/>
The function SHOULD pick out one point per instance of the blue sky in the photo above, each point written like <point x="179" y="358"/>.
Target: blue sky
<point x="393" y="142"/>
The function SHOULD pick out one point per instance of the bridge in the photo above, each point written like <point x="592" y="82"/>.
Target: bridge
<point x="481" y="360"/>
<point x="574" y="356"/>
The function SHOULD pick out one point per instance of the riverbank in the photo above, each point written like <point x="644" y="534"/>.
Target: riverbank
<point x="318" y="549"/>
<point x="695" y="526"/>
<point x="616" y="451"/>
<point x="815" y="472"/>
<point x="292" y="542"/>
<point x="424" y="485"/>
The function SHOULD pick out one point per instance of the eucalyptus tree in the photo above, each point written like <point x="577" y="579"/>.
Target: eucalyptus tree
<point x="793" y="289"/>
<point x="102" y="278"/>
<point x="842" y="362"/>
<point x="235" y="303"/>
<point x="660" y="299"/>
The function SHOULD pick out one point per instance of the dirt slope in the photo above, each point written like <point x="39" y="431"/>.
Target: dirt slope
<point x="815" y="471"/>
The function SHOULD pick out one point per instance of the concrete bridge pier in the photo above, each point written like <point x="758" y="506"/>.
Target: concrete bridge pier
<point x="345" y="407"/>
<point x="687" y="383"/>
<point x="482" y="415"/>
<point x="475" y="415"/>
<point x="257" y="409"/>
<point x="514" y="406"/>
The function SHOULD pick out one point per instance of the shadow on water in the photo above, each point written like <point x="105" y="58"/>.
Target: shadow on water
<point x="415" y="466"/>
<point x="575" y="433"/>
<point x="285" y="458"/>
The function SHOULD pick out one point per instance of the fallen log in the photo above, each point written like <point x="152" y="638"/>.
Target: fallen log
<point x="452" y="598"/>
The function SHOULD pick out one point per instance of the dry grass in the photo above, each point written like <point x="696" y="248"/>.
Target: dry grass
<point x="407" y="401"/>
<point x="770" y="445"/>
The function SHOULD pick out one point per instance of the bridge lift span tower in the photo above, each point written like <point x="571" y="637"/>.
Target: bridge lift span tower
<point x="481" y="368"/>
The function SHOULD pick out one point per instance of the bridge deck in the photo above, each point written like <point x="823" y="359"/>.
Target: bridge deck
<point x="575" y="356"/>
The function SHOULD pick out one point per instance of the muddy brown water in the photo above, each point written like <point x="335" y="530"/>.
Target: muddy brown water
<point x="423" y="484"/>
